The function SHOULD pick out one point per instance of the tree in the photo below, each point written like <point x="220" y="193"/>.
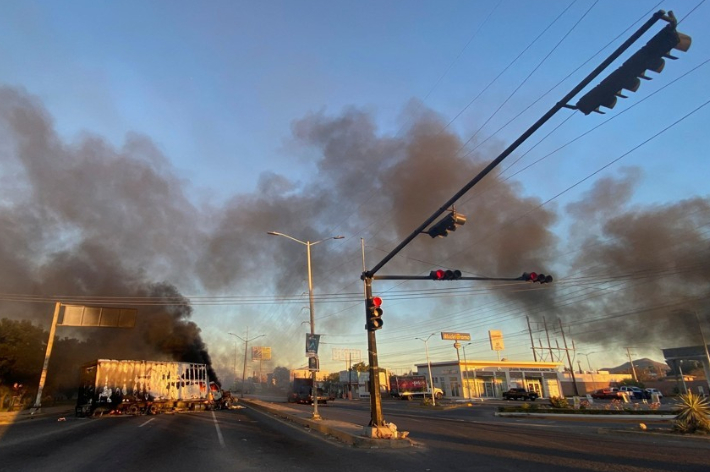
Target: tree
<point x="361" y="367"/>
<point x="22" y="350"/>
<point x="334" y="377"/>
<point x="632" y="383"/>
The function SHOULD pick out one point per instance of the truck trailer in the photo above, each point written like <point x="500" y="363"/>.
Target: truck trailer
<point x="145" y="387"/>
<point x="408" y="387"/>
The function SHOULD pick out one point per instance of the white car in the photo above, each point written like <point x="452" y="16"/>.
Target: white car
<point x="651" y="391"/>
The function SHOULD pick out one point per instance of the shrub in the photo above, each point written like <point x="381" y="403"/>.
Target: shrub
<point x="529" y="407"/>
<point x="559" y="402"/>
<point x="693" y="415"/>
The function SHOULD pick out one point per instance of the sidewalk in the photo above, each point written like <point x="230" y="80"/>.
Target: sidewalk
<point x="12" y="417"/>
<point x="349" y="433"/>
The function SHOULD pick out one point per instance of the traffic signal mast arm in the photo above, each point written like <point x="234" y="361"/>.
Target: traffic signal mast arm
<point x="559" y="105"/>
<point x="627" y="77"/>
<point x="526" y="277"/>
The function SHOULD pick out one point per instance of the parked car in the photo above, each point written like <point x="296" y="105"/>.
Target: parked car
<point x="520" y="394"/>
<point x="632" y="392"/>
<point x="649" y="392"/>
<point x="606" y="393"/>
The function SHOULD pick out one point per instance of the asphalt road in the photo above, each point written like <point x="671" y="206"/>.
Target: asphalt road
<point x="472" y="438"/>
<point x="242" y="440"/>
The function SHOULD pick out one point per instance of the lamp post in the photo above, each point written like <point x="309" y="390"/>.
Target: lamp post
<point x="308" y="244"/>
<point x="589" y="364"/>
<point x="431" y="380"/>
<point x="246" y="348"/>
<point x="465" y="361"/>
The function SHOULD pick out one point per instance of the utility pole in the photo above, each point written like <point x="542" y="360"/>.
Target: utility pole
<point x="633" y="369"/>
<point x="246" y="348"/>
<point x="532" y="342"/>
<point x="549" y="346"/>
<point x="569" y="359"/>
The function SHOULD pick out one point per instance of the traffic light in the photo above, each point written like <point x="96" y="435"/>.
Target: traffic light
<point x="448" y="223"/>
<point x="650" y="57"/>
<point x="535" y="277"/>
<point x="374" y="314"/>
<point x="441" y="274"/>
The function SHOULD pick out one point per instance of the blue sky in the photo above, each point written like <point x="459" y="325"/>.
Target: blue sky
<point x="249" y="102"/>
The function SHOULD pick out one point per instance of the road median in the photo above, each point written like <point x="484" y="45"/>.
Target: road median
<point x="348" y="433"/>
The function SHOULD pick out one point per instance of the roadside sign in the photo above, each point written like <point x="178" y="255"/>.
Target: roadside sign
<point x="312" y="341"/>
<point x="496" y="338"/>
<point x="455" y="336"/>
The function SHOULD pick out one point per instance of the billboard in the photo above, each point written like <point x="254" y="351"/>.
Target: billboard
<point x="260" y="353"/>
<point x="342" y="354"/>
<point x="496" y="338"/>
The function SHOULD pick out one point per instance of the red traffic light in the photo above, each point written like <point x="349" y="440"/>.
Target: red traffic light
<point x="374" y="314"/>
<point x="445" y="274"/>
<point x="535" y="277"/>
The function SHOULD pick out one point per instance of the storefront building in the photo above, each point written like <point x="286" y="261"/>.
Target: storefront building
<point x="489" y="379"/>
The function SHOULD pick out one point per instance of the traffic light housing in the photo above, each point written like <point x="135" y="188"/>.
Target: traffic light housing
<point x="535" y="277"/>
<point x="374" y="314"/>
<point x="448" y="223"/>
<point x="441" y="274"/>
<point x="650" y="57"/>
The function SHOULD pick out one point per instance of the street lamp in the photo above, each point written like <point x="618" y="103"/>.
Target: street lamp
<point x="431" y="380"/>
<point x="465" y="361"/>
<point x="308" y="244"/>
<point x="246" y="348"/>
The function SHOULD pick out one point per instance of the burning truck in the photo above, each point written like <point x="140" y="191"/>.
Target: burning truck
<point x="146" y="387"/>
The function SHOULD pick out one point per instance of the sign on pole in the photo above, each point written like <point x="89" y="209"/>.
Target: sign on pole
<point x="91" y="316"/>
<point x="312" y="341"/>
<point x="456" y="336"/>
<point x="496" y="338"/>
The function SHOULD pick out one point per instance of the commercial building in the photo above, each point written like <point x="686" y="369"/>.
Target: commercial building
<point x="489" y="379"/>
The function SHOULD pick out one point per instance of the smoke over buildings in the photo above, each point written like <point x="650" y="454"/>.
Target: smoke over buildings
<point x="86" y="219"/>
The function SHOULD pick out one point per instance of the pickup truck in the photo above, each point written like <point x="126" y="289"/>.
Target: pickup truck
<point x="520" y="394"/>
<point x="438" y="394"/>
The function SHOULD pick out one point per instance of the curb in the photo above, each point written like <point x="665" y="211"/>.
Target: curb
<point x="655" y="433"/>
<point x="585" y="416"/>
<point x="347" y="433"/>
<point x="25" y="415"/>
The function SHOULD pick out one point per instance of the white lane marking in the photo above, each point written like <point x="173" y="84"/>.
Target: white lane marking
<point x="146" y="422"/>
<point x="219" y="431"/>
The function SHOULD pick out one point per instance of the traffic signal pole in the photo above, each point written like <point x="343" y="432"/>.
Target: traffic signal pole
<point x="368" y="275"/>
<point x="376" y="418"/>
